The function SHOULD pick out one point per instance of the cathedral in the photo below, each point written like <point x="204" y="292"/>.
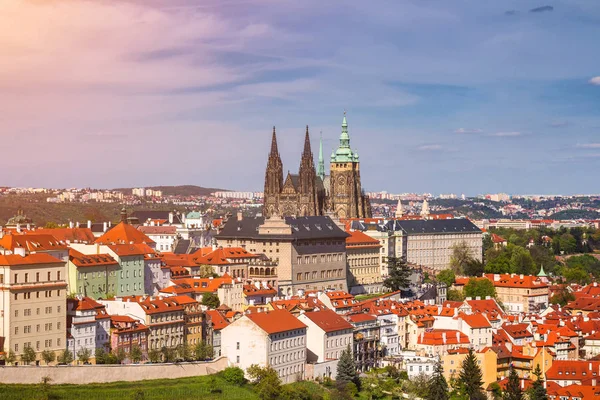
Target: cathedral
<point x="312" y="192"/>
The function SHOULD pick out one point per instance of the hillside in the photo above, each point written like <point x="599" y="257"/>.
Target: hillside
<point x="183" y="190"/>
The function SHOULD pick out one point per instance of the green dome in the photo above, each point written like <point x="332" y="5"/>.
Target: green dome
<point x="344" y="152"/>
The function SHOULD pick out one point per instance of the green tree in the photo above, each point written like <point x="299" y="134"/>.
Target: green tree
<point x="210" y="300"/>
<point x="168" y="354"/>
<point x="562" y="297"/>
<point x="471" y="377"/>
<point x="28" y="355"/>
<point x="438" y="387"/>
<point x="398" y="274"/>
<point x="100" y="355"/>
<point x="446" y="276"/>
<point x="48" y="356"/>
<point x="10" y="357"/>
<point x="461" y="255"/>
<point x="576" y="275"/>
<point x="120" y="355"/>
<point x="479" y="287"/>
<point x="455" y="295"/>
<point x="521" y="261"/>
<point x="136" y="353"/>
<point x="538" y="391"/>
<point x="203" y="351"/>
<point x="371" y="386"/>
<point x="513" y="387"/>
<point x="65" y="357"/>
<point x="474" y="267"/>
<point x="496" y="391"/>
<point x="234" y="375"/>
<point x="206" y="271"/>
<point x="568" y="244"/>
<point x="154" y="355"/>
<point x="184" y="352"/>
<point x="84" y="355"/>
<point x="346" y="368"/>
<point x="268" y="384"/>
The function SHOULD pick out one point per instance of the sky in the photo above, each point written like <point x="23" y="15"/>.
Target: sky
<point x="441" y="96"/>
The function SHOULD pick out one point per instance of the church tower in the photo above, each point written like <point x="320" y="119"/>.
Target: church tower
<point x="308" y="179"/>
<point x="346" y="197"/>
<point x="273" y="180"/>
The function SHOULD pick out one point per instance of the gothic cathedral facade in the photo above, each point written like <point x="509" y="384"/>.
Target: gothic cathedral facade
<point x="311" y="191"/>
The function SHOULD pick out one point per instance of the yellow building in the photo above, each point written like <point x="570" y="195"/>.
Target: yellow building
<point x="362" y="255"/>
<point x="34" y="291"/>
<point x="486" y="358"/>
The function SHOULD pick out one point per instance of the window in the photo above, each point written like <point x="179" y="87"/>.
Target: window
<point x="49" y="276"/>
<point x="237" y="359"/>
<point x="26" y="277"/>
<point x="237" y="345"/>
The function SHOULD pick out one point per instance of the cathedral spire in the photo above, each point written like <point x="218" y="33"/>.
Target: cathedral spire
<point x="274" y="149"/>
<point x="321" y="167"/>
<point x="343" y="153"/>
<point x="307" y="151"/>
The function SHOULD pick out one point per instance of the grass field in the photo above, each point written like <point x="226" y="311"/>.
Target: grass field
<point x="362" y="297"/>
<point x="202" y="387"/>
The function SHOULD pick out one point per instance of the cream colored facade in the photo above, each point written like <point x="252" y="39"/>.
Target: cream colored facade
<point x="33" y="303"/>
<point x="231" y="294"/>
<point x="364" y="266"/>
<point x="244" y="343"/>
<point x="306" y="261"/>
<point x="520" y="293"/>
<point x="434" y="250"/>
<point x="322" y="345"/>
<point x="487" y="363"/>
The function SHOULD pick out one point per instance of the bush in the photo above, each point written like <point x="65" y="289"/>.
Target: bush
<point x="234" y="375"/>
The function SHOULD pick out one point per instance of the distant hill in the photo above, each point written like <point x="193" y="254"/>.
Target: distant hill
<point x="184" y="190"/>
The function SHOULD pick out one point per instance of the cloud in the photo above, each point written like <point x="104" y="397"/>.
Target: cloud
<point x="588" y="145"/>
<point x="430" y="147"/>
<point x="467" y="131"/>
<point x="542" y="9"/>
<point x="595" y="81"/>
<point x="505" y="134"/>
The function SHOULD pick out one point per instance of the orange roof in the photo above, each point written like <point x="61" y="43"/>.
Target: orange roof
<point x="361" y="317"/>
<point x="517" y="331"/>
<point x="475" y="321"/>
<point x="252" y="290"/>
<point x="216" y="319"/>
<point x="124" y="233"/>
<point x="574" y="392"/>
<point x="328" y="320"/>
<point x="201" y="285"/>
<point x="572" y="370"/>
<point x="178" y="260"/>
<point x="91" y="260"/>
<point x="30" y="259"/>
<point x="516" y="281"/>
<point x="360" y="239"/>
<point x="158" y="230"/>
<point x="307" y="304"/>
<point x="225" y="256"/>
<point x="276" y="321"/>
<point x="497" y="238"/>
<point x="82" y="235"/>
<point x="439" y="337"/>
<point x="124" y="250"/>
<point x="32" y="242"/>
<point x="155" y="304"/>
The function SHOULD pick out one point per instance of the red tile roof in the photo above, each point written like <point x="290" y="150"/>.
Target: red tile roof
<point x="475" y="321"/>
<point x="125" y="250"/>
<point x="361" y="240"/>
<point x="30" y="259"/>
<point x="91" y="260"/>
<point x="516" y="281"/>
<point x="81" y="235"/>
<point x="361" y="317"/>
<point x="32" y="242"/>
<point x="572" y="370"/>
<point x="436" y="337"/>
<point x="328" y="320"/>
<point x="517" y="331"/>
<point x="276" y="321"/>
<point x="225" y="256"/>
<point x="124" y="234"/>
<point x="216" y="319"/>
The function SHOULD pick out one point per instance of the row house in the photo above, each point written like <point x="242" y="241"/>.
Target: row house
<point x="163" y="315"/>
<point x="518" y="333"/>
<point x="363" y="258"/>
<point x="232" y="261"/>
<point x="127" y="332"/>
<point x="81" y="325"/>
<point x="164" y="236"/>
<point x="328" y="334"/>
<point x="520" y="293"/>
<point x="276" y="339"/>
<point x="476" y="326"/>
<point x="339" y="301"/>
<point x="214" y="322"/>
<point x="193" y="319"/>
<point x="34" y="290"/>
<point x="257" y="293"/>
<point x="33" y="242"/>
<point x="92" y="275"/>
<point x="367" y="349"/>
<point x="523" y="359"/>
<point x="438" y="342"/>
<point x="487" y="360"/>
<point x="229" y="291"/>
<point x="573" y="372"/>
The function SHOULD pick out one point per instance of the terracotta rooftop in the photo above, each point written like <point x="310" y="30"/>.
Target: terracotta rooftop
<point x="328" y="320"/>
<point x="124" y="233"/>
<point x="276" y="321"/>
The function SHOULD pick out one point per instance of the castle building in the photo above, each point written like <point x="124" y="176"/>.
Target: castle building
<point x="311" y="192"/>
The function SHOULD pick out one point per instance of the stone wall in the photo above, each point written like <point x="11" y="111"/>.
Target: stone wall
<point x="82" y="374"/>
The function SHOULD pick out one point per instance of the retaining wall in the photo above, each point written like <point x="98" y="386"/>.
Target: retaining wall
<point x="82" y="374"/>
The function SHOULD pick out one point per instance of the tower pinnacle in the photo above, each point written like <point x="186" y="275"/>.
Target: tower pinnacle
<point x="274" y="149"/>
<point x="321" y="167"/>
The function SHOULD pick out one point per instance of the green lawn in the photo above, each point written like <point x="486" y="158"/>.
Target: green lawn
<point x="362" y="297"/>
<point x="176" y="389"/>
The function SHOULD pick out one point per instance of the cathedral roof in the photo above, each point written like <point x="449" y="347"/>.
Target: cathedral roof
<point x="316" y="227"/>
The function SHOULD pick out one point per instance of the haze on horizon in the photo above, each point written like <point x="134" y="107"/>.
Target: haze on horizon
<point x="463" y="97"/>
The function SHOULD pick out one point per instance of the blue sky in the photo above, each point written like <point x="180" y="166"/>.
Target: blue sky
<point x="442" y="96"/>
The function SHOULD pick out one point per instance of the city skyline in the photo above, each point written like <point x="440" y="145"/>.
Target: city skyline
<point x="441" y="98"/>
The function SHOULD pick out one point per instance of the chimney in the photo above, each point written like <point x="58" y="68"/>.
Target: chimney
<point x="19" y="228"/>
<point x="20" y="251"/>
<point x="496" y="277"/>
<point x="1" y="232"/>
<point x="522" y="384"/>
<point x="104" y="227"/>
<point x="77" y="224"/>
<point x="28" y="227"/>
<point x="595" y="283"/>
<point x="443" y="337"/>
<point x="71" y="224"/>
<point x="89" y="224"/>
<point x="478" y="298"/>
<point x="457" y="337"/>
<point x="590" y="366"/>
<point x="240" y="216"/>
<point x="488" y="298"/>
<point x="521" y="276"/>
<point x="171" y="218"/>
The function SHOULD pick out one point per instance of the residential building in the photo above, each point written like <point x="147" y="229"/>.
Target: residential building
<point x="363" y="258"/>
<point x="327" y="335"/>
<point x="487" y="360"/>
<point x="520" y="293"/>
<point x="214" y="323"/>
<point x="126" y="333"/>
<point x="92" y="275"/>
<point x="439" y="341"/>
<point x="81" y="326"/>
<point x="124" y="233"/>
<point x="275" y="338"/>
<point x="366" y="347"/>
<point x="34" y="290"/>
<point x="164" y="236"/>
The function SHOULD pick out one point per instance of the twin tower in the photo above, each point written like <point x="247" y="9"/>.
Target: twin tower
<point x="311" y="192"/>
